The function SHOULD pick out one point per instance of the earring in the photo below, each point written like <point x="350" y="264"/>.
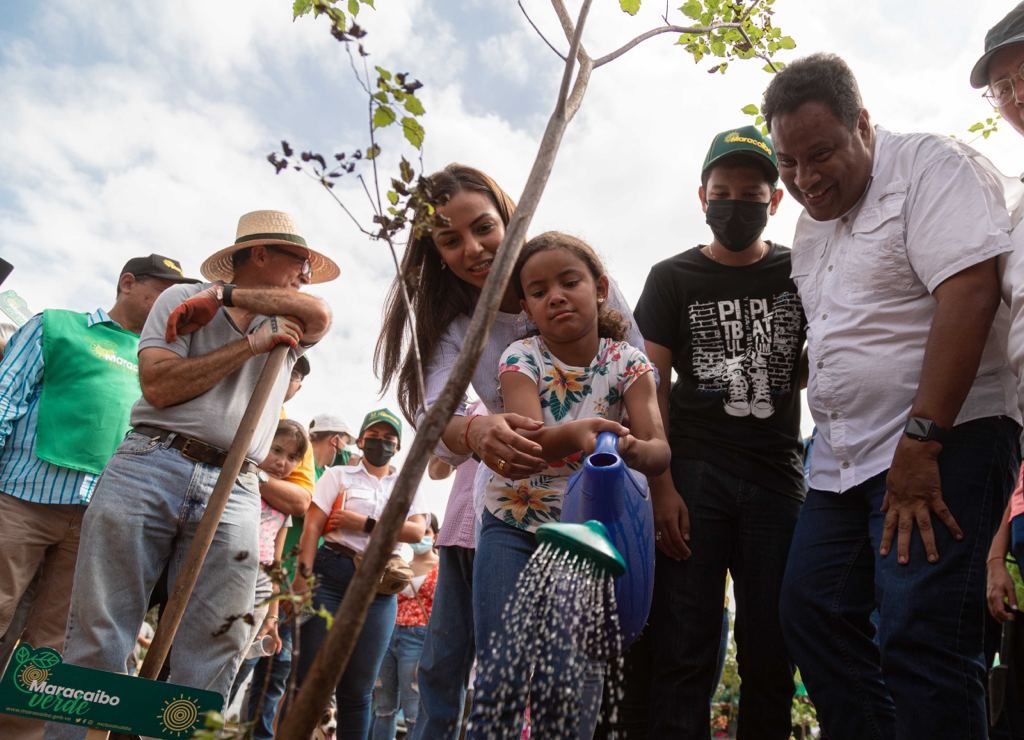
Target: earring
<point x="444" y="265"/>
<point x="600" y="301"/>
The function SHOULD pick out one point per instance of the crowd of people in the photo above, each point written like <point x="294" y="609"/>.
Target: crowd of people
<point x="898" y="307"/>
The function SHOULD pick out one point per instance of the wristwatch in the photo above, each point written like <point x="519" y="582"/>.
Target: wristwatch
<point x="223" y="292"/>
<point x="925" y="430"/>
<point x="262" y="475"/>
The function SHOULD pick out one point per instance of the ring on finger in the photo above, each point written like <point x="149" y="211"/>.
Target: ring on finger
<point x="657" y="535"/>
<point x="501" y="466"/>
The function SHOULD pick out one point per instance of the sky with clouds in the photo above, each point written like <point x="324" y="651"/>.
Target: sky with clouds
<point x="131" y="128"/>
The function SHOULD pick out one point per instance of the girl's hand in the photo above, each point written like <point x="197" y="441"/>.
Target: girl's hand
<point x="497" y="442"/>
<point x="342" y="519"/>
<point x="270" y="628"/>
<point x="588" y="430"/>
<point x="1000" y="590"/>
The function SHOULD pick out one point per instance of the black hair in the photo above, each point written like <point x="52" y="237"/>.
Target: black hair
<point x="240" y="257"/>
<point x="818" y="78"/>
<point x="434" y="525"/>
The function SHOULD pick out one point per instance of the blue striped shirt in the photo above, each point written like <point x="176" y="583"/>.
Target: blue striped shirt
<point x="22" y="474"/>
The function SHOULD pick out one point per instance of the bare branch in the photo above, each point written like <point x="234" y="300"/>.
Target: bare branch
<point x="373" y="146"/>
<point x="409" y="318"/>
<point x="612" y="56"/>
<point x="542" y="36"/>
<point x="575" y="52"/>
<point x="343" y="207"/>
<point x="664" y="16"/>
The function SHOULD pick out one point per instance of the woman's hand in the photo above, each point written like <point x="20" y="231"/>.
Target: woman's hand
<point x="343" y="519"/>
<point x="497" y="441"/>
<point x="1000" y="591"/>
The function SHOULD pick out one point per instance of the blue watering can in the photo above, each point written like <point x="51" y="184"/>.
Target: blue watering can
<point x="606" y="490"/>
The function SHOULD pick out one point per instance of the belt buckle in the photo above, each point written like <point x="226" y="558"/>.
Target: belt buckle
<point x="185" y="449"/>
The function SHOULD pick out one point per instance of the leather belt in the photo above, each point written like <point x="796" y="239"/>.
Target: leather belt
<point x="194" y="449"/>
<point x="348" y="552"/>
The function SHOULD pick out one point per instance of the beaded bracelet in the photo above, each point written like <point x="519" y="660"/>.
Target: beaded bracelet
<point x="465" y="434"/>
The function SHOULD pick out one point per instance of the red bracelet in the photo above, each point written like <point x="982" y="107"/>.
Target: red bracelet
<point x="465" y="434"/>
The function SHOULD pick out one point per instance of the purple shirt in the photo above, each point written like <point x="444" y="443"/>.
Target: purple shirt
<point x="459" y="528"/>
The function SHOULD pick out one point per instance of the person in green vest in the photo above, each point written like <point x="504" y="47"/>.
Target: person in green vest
<point x="67" y="384"/>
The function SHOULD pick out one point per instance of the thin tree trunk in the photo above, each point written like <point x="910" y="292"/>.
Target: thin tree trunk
<point x="336" y="650"/>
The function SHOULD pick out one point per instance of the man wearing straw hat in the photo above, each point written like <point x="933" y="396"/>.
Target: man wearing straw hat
<point x="200" y="355"/>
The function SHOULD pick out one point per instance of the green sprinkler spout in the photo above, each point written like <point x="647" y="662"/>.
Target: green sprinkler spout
<point x="588" y="540"/>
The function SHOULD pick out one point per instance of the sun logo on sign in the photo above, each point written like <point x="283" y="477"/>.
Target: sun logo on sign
<point x="179" y="715"/>
<point x="33" y="666"/>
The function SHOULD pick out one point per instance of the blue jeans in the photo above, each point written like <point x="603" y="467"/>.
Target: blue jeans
<point x="354" y="692"/>
<point x="745" y="529"/>
<point x="924" y="676"/>
<point x="501" y="555"/>
<point x="280" y="668"/>
<point x="398" y="683"/>
<point x="142" y="517"/>
<point x="448" y="648"/>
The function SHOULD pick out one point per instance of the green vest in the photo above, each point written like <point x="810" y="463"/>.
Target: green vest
<point x="90" y="382"/>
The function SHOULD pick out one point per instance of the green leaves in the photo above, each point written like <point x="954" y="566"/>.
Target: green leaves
<point x="22" y="654"/>
<point x="413" y="131"/>
<point x="692" y="9"/>
<point x="750" y="109"/>
<point x="729" y="30"/>
<point x="976" y="127"/>
<point x="630" y="6"/>
<point x="383" y="117"/>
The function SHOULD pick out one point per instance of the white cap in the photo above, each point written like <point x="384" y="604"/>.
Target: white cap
<point x="330" y="423"/>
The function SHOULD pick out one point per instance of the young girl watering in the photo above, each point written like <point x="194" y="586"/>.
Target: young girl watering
<point x="579" y="378"/>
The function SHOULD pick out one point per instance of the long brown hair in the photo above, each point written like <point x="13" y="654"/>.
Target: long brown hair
<point x="610" y="323"/>
<point x="437" y="296"/>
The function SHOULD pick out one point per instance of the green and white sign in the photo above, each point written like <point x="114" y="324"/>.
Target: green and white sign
<point x="39" y="684"/>
<point x="14" y="307"/>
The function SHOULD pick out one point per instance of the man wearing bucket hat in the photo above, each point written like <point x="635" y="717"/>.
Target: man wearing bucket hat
<point x="727" y="318"/>
<point x="200" y="355"/>
<point x="67" y="385"/>
<point x="895" y="257"/>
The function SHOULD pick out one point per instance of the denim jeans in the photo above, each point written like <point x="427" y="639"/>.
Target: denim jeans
<point x="143" y="516"/>
<point x="745" y="529"/>
<point x="501" y="555"/>
<point x="280" y="668"/>
<point x="448" y="648"/>
<point x="354" y="692"/>
<point x="397" y="683"/>
<point x="924" y="676"/>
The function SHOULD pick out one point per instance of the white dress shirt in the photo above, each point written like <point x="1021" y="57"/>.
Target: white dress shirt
<point x="352" y="488"/>
<point x="866" y="281"/>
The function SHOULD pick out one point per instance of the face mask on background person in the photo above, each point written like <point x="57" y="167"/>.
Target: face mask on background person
<point x="379" y="451"/>
<point x="736" y="224"/>
<point x="423" y="546"/>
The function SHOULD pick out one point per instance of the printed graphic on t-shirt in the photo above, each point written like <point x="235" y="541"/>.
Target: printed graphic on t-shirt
<point x="745" y="350"/>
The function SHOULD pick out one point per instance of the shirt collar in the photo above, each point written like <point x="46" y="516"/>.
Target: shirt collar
<point x="392" y="472"/>
<point x="99" y="316"/>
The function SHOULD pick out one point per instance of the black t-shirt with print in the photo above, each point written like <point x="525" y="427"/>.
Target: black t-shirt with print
<point x="736" y="334"/>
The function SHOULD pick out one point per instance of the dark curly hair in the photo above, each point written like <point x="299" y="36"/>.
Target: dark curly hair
<point x="818" y="78"/>
<point x="610" y="323"/>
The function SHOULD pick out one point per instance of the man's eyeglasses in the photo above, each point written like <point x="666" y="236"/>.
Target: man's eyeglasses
<point x="307" y="266"/>
<point x="1002" y="91"/>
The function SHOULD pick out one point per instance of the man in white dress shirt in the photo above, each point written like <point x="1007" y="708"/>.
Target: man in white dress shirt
<point x="895" y="261"/>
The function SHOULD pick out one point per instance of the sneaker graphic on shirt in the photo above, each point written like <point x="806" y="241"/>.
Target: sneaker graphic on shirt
<point x="737" y="394"/>
<point x="761" y="406"/>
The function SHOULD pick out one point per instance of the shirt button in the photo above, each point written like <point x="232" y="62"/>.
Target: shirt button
<point x="834" y="415"/>
<point x="820" y="364"/>
<point x="830" y="268"/>
<point x="824" y="316"/>
<point x="846" y="464"/>
<point x="845" y="219"/>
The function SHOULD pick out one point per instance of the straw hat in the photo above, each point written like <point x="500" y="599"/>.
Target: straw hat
<point x="267" y="227"/>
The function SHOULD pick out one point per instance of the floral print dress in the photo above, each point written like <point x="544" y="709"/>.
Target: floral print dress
<point x="566" y="393"/>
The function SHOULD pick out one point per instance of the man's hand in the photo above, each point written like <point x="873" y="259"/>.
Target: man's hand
<point x="671" y="518"/>
<point x="913" y="493"/>
<point x="193" y="314"/>
<point x="274" y="331"/>
<point x="1000" y="591"/>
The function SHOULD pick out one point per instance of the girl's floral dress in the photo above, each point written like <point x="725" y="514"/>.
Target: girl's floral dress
<point x="567" y="393"/>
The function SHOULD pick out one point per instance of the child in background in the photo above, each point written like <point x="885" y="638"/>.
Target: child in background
<point x="286" y="452"/>
<point x="1002" y="597"/>
<point x="579" y="378"/>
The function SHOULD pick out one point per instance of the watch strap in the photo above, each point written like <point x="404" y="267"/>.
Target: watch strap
<point x="924" y="430"/>
<point x="226" y="290"/>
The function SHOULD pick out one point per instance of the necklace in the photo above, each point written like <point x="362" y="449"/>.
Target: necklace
<point x="764" y="251"/>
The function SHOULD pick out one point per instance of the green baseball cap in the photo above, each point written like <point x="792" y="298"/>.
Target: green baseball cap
<point x="747" y="141"/>
<point x="382" y="416"/>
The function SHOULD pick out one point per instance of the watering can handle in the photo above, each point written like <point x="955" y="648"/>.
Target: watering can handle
<point x="607" y="443"/>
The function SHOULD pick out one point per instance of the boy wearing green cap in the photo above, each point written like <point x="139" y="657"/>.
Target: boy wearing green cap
<point x="726" y="317"/>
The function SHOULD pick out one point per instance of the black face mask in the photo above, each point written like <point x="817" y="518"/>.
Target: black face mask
<point x="379" y="451"/>
<point x="736" y="224"/>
